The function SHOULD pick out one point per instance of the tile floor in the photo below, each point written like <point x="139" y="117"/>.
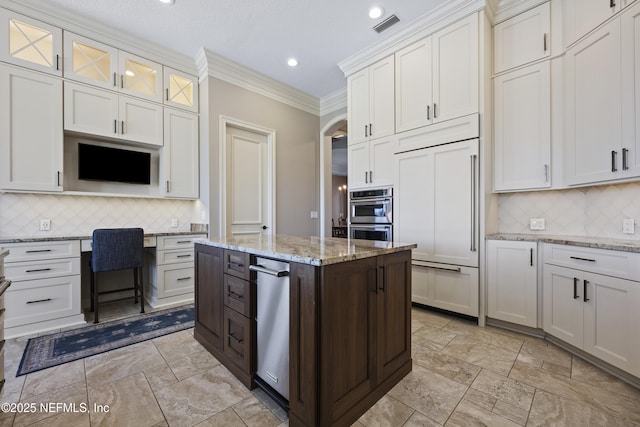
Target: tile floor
<point x="462" y="375"/>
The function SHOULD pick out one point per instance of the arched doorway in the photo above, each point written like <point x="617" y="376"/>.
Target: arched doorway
<point x="337" y="127"/>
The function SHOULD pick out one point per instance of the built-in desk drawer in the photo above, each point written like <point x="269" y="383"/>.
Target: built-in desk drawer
<point x="171" y="257"/>
<point x="30" y="270"/>
<point x="237" y="264"/>
<point x="175" y="279"/>
<point x="41" y="300"/>
<point x="625" y="265"/>
<point x="41" y="250"/>
<point x="177" y="242"/>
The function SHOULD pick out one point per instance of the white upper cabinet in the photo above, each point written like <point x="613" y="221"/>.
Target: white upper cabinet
<point x="522" y="128"/>
<point x="437" y="77"/>
<point x="181" y="90"/>
<point x="180" y="167"/>
<point x="582" y="16"/>
<point x="98" y="64"/>
<point x="370" y="101"/>
<point x="370" y="163"/>
<point x="522" y="39"/>
<point x="98" y="112"/>
<point x="31" y="144"/>
<point x="30" y="43"/>
<point x="593" y="149"/>
<point x="631" y="91"/>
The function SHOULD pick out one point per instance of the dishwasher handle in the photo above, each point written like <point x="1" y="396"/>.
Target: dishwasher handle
<point x="262" y="269"/>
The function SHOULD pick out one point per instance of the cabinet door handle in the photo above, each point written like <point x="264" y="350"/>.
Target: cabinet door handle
<point x="122" y="81"/>
<point x="614" y="155"/>
<point x="168" y="186"/>
<point x="234" y="338"/>
<point x="115" y="126"/>
<point x="58" y="178"/>
<point x="531" y="257"/>
<point x="473" y="200"/>
<point x="366" y="134"/>
<point x="575" y="288"/>
<point x="546" y="173"/>
<point x="370" y="177"/>
<point x="370" y="129"/>
<point x="435" y="110"/>
<point x="57" y="62"/>
<point x="612" y="3"/>
<point x="122" y="127"/>
<point x="167" y="93"/>
<point x="366" y="181"/>
<point x="428" y="112"/>
<point x="584" y="290"/>
<point x="625" y="152"/>
<point x="115" y="84"/>
<point x="544" y="42"/>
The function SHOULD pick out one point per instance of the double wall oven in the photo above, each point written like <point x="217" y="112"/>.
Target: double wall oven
<point x="371" y="214"/>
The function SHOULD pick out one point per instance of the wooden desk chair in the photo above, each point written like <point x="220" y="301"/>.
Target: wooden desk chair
<point x="117" y="249"/>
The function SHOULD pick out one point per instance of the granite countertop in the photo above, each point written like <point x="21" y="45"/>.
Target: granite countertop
<point x="17" y="239"/>
<point x="583" y="241"/>
<point x="311" y="250"/>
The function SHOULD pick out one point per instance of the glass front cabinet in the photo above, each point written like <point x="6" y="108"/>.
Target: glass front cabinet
<point x="181" y="90"/>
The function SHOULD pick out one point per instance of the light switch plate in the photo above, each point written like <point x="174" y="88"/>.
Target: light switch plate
<point x="536" y="223"/>
<point x="628" y="226"/>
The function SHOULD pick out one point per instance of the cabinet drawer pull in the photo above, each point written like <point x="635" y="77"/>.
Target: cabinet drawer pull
<point x="184" y="256"/>
<point x="575" y="288"/>
<point x="235" y="296"/>
<point x="582" y="259"/>
<point x="36" y="270"/>
<point x="33" y="251"/>
<point x="183" y="278"/>
<point x="39" y="300"/>
<point x="454" y="269"/>
<point x="584" y="290"/>
<point x="183" y="242"/>
<point x="234" y="265"/>
<point x="234" y="338"/>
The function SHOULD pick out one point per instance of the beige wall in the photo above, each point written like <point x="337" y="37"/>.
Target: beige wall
<point x="297" y="153"/>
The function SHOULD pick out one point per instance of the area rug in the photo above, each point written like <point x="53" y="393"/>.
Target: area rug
<point x="63" y="347"/>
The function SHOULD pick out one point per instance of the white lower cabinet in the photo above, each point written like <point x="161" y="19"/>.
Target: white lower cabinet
<point x="512" y="282"/>
<point x="171" y="275"/>
<point x="448" y="287"/>
<point x="594" y="312"/>
<point x="45" y="289"/>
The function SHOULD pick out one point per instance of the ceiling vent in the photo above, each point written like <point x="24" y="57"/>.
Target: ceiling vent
<point x="392" y="20"/>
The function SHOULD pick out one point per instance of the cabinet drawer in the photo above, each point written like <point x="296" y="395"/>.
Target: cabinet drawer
<point x="42" y="300"/>
<point x="177" y="242"/>
<point x="237" y="339"/>
<point x="41" y="250"/>
<point x="237" y="264"/>
<point x="172" y="257"/>
<point x="625" y="265"/>
<point x="30" y="270"/>
<point x="237" y="295"/>
<point x="175" y="279"/>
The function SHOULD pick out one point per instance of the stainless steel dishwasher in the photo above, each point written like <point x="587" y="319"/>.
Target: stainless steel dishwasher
<point x="272" y="322"/>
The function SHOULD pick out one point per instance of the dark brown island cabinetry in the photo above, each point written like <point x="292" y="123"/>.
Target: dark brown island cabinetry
<point x="350" y="326"/>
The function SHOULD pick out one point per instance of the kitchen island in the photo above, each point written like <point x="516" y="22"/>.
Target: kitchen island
<point x="349" y="311"/>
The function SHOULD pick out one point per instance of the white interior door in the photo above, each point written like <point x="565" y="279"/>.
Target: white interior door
<point x="249" y="183"/>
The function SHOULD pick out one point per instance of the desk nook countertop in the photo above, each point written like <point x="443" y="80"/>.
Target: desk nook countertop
<point x="349" y="317"/>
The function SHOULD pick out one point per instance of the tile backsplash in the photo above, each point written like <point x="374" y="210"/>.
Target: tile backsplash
<point x="20" y="214"/>
<point x="590" y="211"/>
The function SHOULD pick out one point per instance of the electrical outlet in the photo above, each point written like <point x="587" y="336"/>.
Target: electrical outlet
<point x="628" y="226"/>
<point x="314" y="214"/>
<point x="536" y="224"/>
<point x="45" y="224"/>
<point x="174" y="222"/>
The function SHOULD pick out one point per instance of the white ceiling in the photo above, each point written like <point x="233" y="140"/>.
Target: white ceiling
<point x="260" y="34"/>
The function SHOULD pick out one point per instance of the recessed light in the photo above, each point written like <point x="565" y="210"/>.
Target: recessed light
<point x="292" y="62"/>
<point x="376" y="12"/>
<point x="167" y="1"/>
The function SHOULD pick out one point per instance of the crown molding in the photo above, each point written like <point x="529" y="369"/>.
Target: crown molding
<point x="86" y="27"/>
<point x="333" y="102"/>
<point x="427" y="24"/>
<point x="509" y="8"/>
<point x="213" y="65"/>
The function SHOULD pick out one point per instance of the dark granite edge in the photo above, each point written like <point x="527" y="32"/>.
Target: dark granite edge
<point x="5" y="240"/>
<point x="580" y="241"/>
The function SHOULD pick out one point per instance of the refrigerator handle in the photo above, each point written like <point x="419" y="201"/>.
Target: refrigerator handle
<point x="473" y="202"/>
